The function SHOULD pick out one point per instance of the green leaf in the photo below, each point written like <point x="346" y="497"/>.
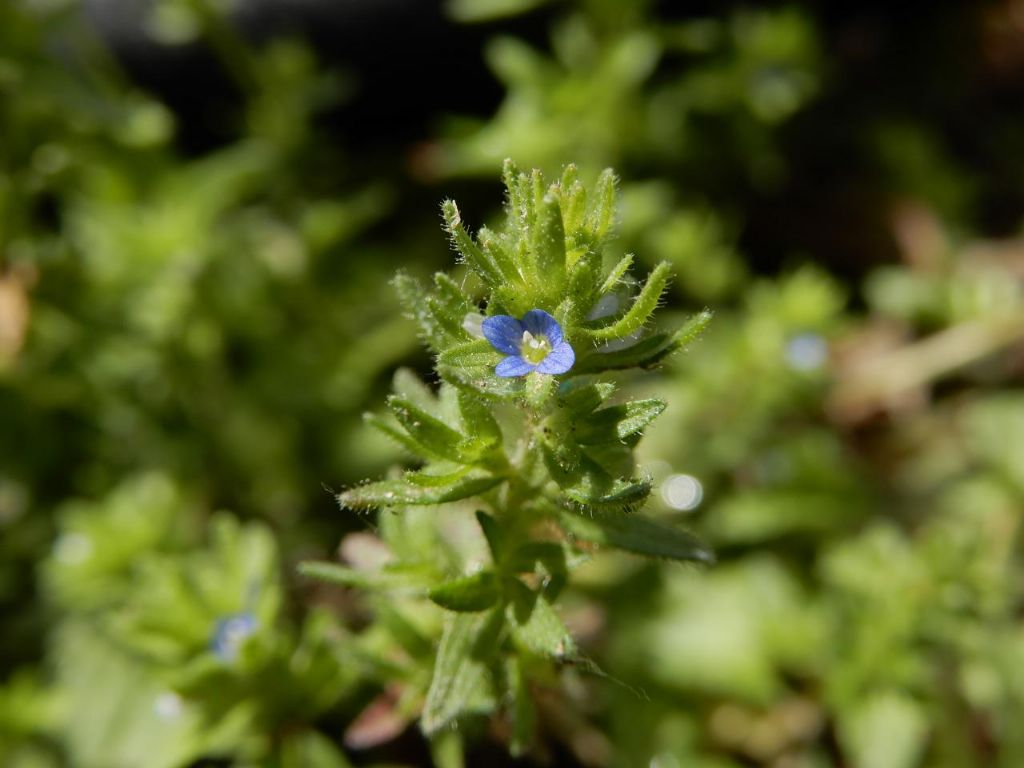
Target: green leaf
<point x="462" y="683"/>
<point x="391" y="493"/>
<point x="510" y="299"/>
<point x="450" y="305"/>
<point x="583" y="279"/>
<point x="493" y="533"/>
<point x="407" y="384"/>
<point x="404" y="631"/>
<point x="510" y="176"/>
<point x="430" y="477"/>
<point x="478" y="352"/>
<point x="396" y="434"/>
<point x="389" y="577"/>
<point x="649" y="351"/>
<point x="640" y="535"/>
<point x="450" y="293"/>
<point x="646" y="353"/>
<point x="413" y="297"/>
<point x="438" y="315"/>
<point x="548" y="553"/>
<point x="570" y="176"/>
<point x="618" y="272"/>
<point x="436" y="437"/>
<point x="548" y="244"/>
<point x="522" y="713"/>
<point x="563" y="460"/>
<point x="573" y="196"/>
<point x="497" y="252"/>
<point x="482" y="379"/>
<point x="620" y="494"/>
<point x="477" y="592"/>
<point x="593" y="488"/>
<point x="635" y="416"/>
<point x="549" y="556"/>
<point x="580" y="400"/>
<point x="525" y="196"/>
<point x="478" y="260"/>
<point x="601" y="220"/>
<point x="620" y="423"/>
<point x="477" y="418"/>
<point x="537" y="626"/>
<point x="615" y="458"/>
<point x="692" y="328"/>
<point x="643" y="307"/>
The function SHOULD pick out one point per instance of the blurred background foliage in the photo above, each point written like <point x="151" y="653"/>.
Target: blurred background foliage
<point x="201" y="205"/>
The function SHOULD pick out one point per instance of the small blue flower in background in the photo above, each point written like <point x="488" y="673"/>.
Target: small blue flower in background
<point x="230" y="633"/>
<point x="534" y="343"/>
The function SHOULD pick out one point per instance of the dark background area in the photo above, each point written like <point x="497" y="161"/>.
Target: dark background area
<point x="954" y="67"/>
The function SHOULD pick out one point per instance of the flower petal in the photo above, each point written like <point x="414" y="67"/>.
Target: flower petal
<point x="559" y="360"/>
<point x="504" y="332"/>
<point x="540" y="323"/>
<point x="514" y="366"/>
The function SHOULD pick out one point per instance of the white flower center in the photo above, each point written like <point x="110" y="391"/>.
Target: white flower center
<point x="534" y="348"/>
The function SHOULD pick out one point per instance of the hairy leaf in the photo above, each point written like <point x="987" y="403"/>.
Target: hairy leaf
<point x="590" y="486"/>
<point x="413" y="296"/>
<point x="549" y="556"/>
<point x="477" y="592"/>
<point x="522" y="712"/>
<point x="601" y="220"/>
<point x="477" y="418"/>
<point x="649" y="351"/>
<point x="482" y="379"/>
<point x="478" y="352"/>
<point x="620" y="423"/>
<point x="580" y="400"/>
<point x="498" y="252"/>
<point x="493" y="533"/>
<point x="449" y="307"/>
<point x="385" y="578"/>
<point x="640" y="311"/>
<point x="395" y="433"/>
<point x="390" y="493"/>
<point x="410" y="386"/>
<point x="616" y="274"/>
<point x="640" y="535"/>
<point x="537" y="626"/>
<point x="437" y="475"/>
<point x="620" y="494"/>
<point x="548" y="245"/>
<point x="461" y="683"/>
<point x="477" y="259"/>
<point x="434" y="435"/>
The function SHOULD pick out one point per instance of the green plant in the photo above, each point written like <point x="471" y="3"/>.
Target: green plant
<point x="544" y="460"/>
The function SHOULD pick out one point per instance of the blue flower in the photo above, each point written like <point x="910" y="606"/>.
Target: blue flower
<point x="230" y="633"/>
<point x="534" y="343"/>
